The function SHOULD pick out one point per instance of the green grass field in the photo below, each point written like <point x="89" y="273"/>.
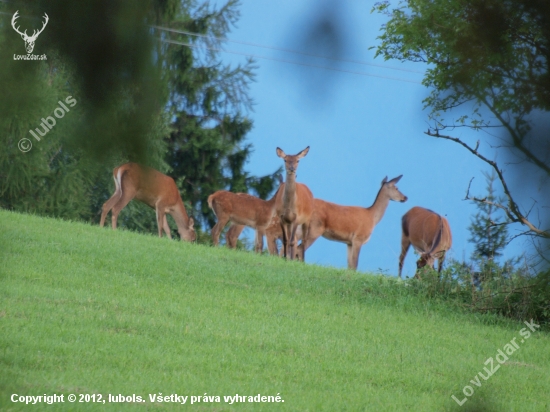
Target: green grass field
<point x="89" y="311"/>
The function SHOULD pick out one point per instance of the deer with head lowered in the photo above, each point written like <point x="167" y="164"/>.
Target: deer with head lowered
<point x="155" y="190"/>
<point x="242" y="210"/>
<point x="351" y="225"/>
<point x="297" y="205"/>
<point x="29" y="40"/>
<point x="430" y="235"/>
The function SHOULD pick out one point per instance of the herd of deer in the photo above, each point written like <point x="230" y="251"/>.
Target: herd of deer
<point x="290" y="215"/>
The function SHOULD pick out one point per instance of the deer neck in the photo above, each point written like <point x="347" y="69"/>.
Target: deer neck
<point x="277" y="197"/>
<point x="379" y="206"/>
<point x="289" y="196"/>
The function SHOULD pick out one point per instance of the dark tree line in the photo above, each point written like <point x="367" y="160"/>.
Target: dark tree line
<point x="147" y="90"/>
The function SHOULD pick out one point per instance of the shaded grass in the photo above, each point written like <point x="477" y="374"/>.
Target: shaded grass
<point x="85" y="310"/>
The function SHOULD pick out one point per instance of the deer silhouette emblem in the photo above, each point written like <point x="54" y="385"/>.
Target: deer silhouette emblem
<point x="29" y="40"/>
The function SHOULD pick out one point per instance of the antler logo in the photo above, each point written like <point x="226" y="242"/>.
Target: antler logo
<point x="29" y="40"/>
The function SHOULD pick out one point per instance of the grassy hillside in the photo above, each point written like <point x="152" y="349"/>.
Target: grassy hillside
<point x="85" y="310"/>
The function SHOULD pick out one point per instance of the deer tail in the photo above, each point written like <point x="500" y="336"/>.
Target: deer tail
<point x="437" y="239"/>
<point x="210" y="200"/>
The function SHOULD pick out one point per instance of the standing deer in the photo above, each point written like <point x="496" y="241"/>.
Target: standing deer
<point x="244" y="210"/>
<point x="352" y="225"/>
<point x="29" y="40"/>
<point x="430" y="235"/>
<point x="297" y="205"/>
<point x="155" y="190"/>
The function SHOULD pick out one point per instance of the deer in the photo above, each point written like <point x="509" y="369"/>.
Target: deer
<point x="156" y="190"/>
<point x="29" y="40"/>
<point x="352" y="225"/>
<point x="297" y="205"/>
<point x="242" y="209"/>
<point x="429" y="233"/>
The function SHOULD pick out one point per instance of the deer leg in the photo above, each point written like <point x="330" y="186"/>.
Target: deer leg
<point x="217" y="229"/>
<point x="405" y="244"/>
<point x="232" y="235"/>
<point x="259" y="243"/>
<point x="292" y="241"/>
<point x="353" y="255"/>
<point x="272" y="244"/>
<point x="301" y="249"/>
<point x="127" y="195"/>
<point x="161" y="218"/>
<point x="107" y="206"/>
<point x="349" y="256"/>
<point x="166" y="228"/>
<point x="285" y="239"/>
<point x="314" y="231"/>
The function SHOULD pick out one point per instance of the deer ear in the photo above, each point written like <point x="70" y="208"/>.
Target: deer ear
<point x="191" y="223"/>
<point x="280" y="153"/>
<point x="396" y="179"/>
<point x="303" y="153"/>
<point x="384" y="180"/>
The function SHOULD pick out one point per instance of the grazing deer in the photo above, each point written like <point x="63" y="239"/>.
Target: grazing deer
<point x="155" y="190"/>
<point x="352" y="225"/>
<point x="29" y="40"/>
<point x="430" y="235"/>
<point x="244" y="210"/>
<point x="297" y="205"/>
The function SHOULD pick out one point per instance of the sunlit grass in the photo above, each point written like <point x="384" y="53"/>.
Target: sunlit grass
<point x="85" y="310"/>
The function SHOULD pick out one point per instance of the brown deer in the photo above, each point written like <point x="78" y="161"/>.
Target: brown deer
<point x="244" y="210"/>
<point x="352" y="225"/>
<point x="156" y="190"/>
<point x="297" y="205"/>
<point x="430" y="235"/>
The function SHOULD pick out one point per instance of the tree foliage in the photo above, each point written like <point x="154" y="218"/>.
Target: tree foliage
<point x="208" y="102"/>
<point x="488" y="230"/>
<point x="487" y="69"/>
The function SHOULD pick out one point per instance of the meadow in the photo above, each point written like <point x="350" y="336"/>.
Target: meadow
<point x="90" y="311"/>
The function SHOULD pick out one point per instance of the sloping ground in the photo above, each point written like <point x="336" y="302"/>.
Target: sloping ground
<point x="93" y="312"/>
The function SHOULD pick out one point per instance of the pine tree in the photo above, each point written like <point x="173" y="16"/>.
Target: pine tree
<point x="208" y="102"/>
<point x="489" y="234"/>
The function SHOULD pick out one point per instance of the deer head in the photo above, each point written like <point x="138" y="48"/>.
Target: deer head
<point x="29" y="40"/>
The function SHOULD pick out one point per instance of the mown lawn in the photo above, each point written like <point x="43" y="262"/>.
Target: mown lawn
<point x="85" y="310"/>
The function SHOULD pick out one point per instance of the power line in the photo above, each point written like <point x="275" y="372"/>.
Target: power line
<point x="285" y="50"/>
<point x="289" y="61"/>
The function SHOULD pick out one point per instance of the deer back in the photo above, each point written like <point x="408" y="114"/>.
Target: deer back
<point x="428" y="232"/>
<point x="152" y="187"/>
<point x="241" y="208"/>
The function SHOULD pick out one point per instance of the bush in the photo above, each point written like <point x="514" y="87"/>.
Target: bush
<point x="508" y="290"/>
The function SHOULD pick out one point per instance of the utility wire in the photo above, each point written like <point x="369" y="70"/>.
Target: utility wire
<point x="288" y="61"/>
<point x="224" y="39"/>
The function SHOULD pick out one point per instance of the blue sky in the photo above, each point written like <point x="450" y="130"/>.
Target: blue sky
<point x="360" y="127"/>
